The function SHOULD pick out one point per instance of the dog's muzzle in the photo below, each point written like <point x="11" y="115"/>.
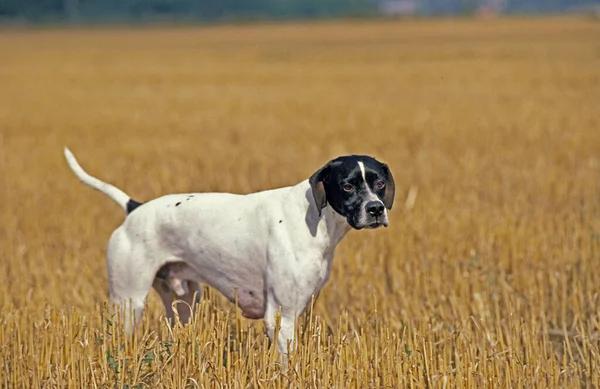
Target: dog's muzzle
<point x="374" y="215"/>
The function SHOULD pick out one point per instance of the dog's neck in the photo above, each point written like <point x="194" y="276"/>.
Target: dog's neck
<point x="337" y="225"/>
<point x="330" y="227"/>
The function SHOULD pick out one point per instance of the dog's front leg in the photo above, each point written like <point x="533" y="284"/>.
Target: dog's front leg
<point x="285" y="331"/>
<point x="288" y="291"/>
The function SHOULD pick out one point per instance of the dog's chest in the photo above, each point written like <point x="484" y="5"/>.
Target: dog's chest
<point x="323" y="275"/>
<point x="320" y="273"/>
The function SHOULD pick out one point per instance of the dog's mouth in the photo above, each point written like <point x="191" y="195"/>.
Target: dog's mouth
<point x="372" y="224"/>
<point x="376" y="224"/>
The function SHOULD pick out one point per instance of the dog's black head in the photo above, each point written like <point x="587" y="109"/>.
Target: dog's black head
<point x="358" y="187"/>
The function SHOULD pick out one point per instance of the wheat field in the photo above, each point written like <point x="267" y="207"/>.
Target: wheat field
<point x="488" y="276"/>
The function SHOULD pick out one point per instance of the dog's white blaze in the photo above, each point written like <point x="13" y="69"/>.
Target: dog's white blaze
<point x="361" y="166"/>
<point x="371" y="195"/>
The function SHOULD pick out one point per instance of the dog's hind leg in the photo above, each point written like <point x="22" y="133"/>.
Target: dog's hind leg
<point x="166" y="295"/>
<point x="186" y="303"/>
<point x="180" y="279"/>
<point x="189" y="302"/>
<point x="129" y="281"/>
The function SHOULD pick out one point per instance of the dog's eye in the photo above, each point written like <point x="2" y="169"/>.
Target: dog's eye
<point x="380" y="184"/>
<point x="348" y="187"/>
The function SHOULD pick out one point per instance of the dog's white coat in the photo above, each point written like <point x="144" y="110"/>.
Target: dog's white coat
<point x="271" y="246"/>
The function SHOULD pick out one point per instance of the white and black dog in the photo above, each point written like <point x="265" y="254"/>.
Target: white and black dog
<point x="273" y="248"/>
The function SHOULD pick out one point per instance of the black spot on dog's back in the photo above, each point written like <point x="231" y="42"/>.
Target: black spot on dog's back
<point x="178" y="204"/>
<point x="132" y="205"/>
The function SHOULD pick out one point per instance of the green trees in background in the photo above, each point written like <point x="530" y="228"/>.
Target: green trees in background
<point x="91" y="10"/>
<point x="210" y="10"/>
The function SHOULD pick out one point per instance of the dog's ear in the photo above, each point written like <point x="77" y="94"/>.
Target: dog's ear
<point x="390" y="187"/>
<point x="317" y="185"/>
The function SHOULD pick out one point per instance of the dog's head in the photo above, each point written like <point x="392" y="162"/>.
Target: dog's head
<point x="358" y="187"/>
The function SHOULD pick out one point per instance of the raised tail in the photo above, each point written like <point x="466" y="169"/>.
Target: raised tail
<point x="120" y="197"/>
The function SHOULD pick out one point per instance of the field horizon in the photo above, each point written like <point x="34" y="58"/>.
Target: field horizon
<point x="486" y="277"/>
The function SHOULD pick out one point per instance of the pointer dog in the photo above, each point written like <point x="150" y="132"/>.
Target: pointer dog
<point x="274" y="247"/>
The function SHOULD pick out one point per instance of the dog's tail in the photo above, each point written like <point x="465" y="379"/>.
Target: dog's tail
<point x="120" y="197"/>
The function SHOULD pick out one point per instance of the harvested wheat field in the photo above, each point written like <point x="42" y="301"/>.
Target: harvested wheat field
<point x="488" y="275"/>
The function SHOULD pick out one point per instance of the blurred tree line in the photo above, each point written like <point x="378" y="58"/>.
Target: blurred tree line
<point x="180" y="9"/>
<point x="209" y="10"/>
<point x="506" y="6"/>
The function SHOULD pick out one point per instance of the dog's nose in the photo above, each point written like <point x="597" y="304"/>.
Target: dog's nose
<point x="375" y="208"/>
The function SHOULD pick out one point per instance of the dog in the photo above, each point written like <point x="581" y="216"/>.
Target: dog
<point x="270" y="250"/>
